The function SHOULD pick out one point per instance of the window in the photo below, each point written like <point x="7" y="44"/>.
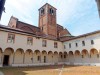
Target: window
<point x="83" y="43"/>
<point x="55" y="45"/>
<point x="64" y="46"/>
<point x="11" y="38"/>
<point x="42" y="11"/>
<point x="38" y="58"/>
<point x="61" y="56"/>
<point x="69" y="45"/>
<point x="92" y="42"/>
<point x="76" y="44"/>
<point x="29" y="40"/>
<point x="44" y="43"/>
<point x="64" y="56"/>
<point x="51" y="11"/>
<point x="82" y="56"/>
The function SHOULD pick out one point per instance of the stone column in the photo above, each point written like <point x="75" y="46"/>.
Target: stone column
<point x="32" y="58"/>
<point x="23" y="58"/>
<point x="13" y="57"/>
<point x="2" y="58"/>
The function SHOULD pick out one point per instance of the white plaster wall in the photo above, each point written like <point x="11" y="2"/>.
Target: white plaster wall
<point x="0" y="57"/>
<point x="35" y="56"/>
<point x="55" y="58"/>
<point x="18" y="59"/>
<point x="28" y="59"/>
<point x="21" y="42"/>
<point x="88" y="46"/>
<point x="50" y="58"/>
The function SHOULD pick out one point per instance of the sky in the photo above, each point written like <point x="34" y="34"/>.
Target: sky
<point x="78" y="16"/>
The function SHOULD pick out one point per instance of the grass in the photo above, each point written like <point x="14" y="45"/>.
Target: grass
<point x="52" y="70"/>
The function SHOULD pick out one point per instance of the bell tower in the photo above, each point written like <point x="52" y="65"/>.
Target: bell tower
<point x="47" y="20"/>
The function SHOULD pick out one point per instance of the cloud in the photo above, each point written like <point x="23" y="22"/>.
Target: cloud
<point x="76" y="15"/>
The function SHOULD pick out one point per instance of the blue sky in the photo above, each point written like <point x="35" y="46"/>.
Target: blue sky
<point x="78" y="16"/>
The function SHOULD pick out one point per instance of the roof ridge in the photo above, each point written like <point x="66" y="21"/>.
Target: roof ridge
<point x="29" y="24"/>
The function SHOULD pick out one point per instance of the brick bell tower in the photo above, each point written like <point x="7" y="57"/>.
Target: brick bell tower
<point x="47" y="20"/>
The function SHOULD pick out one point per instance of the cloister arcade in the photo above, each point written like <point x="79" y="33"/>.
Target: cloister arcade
<point x="10" y="56"/>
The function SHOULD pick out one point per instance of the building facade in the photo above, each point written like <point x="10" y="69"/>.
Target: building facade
<point x="23" y="44"/>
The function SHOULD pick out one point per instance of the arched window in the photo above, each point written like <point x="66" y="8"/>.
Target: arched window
<point x="61" y="56"/>
<point x="64" y="56"/>
<point x="42" y="11"/>
<point x="51" y="11"/>
<point x="38" y="58"/>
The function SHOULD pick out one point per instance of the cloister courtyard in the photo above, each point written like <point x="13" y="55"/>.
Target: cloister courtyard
<point x="52" y="70"/>
<point x="49" y="48"/>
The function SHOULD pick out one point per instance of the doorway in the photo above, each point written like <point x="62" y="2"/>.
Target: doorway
<point x="6" y="60"/>
<point x="44" y="59"/>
